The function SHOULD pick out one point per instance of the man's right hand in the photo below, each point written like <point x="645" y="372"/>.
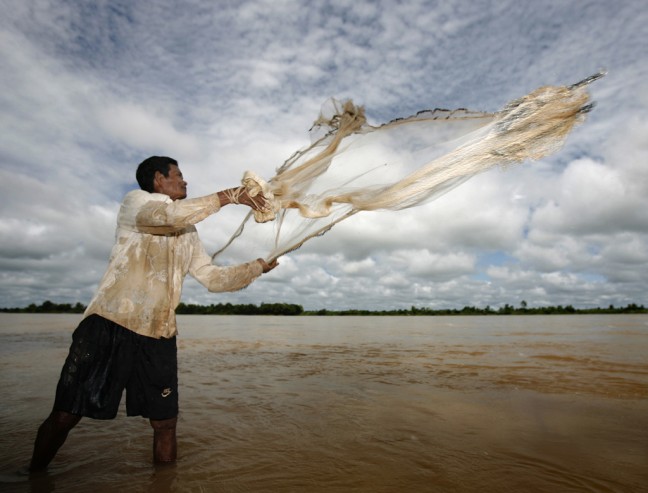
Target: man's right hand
<point x="257" y="203"/>
<point x="240" y="195"/>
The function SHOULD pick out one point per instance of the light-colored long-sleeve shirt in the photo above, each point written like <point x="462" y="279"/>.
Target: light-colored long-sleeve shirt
<point x="156" y="245"/>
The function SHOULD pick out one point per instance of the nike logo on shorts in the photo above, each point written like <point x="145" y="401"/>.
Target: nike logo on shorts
<point x="166" y="392"/>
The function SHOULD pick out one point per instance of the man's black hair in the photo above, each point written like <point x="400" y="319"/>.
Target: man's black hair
<point x="147" y="168"/>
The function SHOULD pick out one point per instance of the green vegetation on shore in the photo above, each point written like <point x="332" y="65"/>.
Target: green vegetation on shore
<point x="292" y="309"/>
<point x="47" y="307"/>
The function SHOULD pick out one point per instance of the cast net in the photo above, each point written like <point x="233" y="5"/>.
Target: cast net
<point x="352" y="166"/>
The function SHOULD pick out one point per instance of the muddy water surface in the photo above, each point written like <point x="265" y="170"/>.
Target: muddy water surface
<point x="355" y="404"/>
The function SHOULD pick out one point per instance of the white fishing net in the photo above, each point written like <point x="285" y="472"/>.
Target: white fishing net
<point x="352" y="166"/>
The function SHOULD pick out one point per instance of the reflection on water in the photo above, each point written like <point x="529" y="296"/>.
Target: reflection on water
<point x="440" y="404"/>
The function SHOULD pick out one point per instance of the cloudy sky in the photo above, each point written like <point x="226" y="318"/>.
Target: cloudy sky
<point x="88" y="89"/>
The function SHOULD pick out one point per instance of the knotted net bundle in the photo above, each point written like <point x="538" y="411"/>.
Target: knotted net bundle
<point x="352" y="166"/>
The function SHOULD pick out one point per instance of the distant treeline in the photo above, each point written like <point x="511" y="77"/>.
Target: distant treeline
<point x="292" y="309"/>
<point x="47" y="307"/>
<point x="183" y="309"/>
<point x="248" y="309"/>
<point x="504" y="310"/>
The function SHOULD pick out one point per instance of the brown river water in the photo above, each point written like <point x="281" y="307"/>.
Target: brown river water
<point x="355" y="404"/>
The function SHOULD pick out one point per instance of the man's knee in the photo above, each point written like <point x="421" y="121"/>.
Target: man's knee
<point x="164" y="424"/>
<point x="63" y="421"/>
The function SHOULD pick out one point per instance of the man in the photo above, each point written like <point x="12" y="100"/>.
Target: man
<point x="127" y="339"/>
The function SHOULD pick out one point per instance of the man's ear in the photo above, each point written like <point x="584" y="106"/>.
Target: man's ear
<point x="157" y="177"/>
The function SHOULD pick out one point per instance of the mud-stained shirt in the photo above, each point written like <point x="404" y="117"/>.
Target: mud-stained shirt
<point x="156" y="245"/>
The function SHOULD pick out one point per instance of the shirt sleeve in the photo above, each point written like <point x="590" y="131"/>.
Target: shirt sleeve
<point x="217" y="278"/>
<point x="157" y="214"/>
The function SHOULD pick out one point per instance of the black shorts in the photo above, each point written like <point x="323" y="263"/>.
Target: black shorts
<point x="104" y="359"/>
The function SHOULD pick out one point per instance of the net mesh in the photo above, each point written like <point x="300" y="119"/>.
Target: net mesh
<point x="352" y="166"/>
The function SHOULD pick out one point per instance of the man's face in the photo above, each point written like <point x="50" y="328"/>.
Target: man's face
<point x="173" y="185"/>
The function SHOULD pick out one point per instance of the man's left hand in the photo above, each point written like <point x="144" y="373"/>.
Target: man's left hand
<point x="267" y="267"/>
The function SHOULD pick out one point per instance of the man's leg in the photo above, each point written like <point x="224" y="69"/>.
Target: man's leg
<point x="51" y="435"/>
<point x="164" y="440"/>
